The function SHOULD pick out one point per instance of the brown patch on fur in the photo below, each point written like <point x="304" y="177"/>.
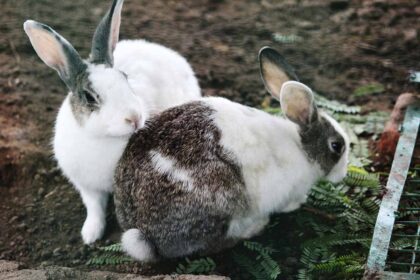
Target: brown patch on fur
<point x="178" y="221"/>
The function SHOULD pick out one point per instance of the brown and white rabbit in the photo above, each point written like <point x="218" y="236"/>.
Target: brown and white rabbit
<point x="203" y="175"/>
<point x="111" y="95"/>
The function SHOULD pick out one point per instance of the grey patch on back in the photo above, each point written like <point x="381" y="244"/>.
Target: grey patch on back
<point x="176" y="220"/>
<point x="314" y="139"/>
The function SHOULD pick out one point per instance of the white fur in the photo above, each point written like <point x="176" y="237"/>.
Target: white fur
<point x="161" y="76"/>
<point x="340" y="169"/>
<point x="145" y="79"/>
<point x="135" y="246"/>
<point x="158" y="78"/>
<point x="269" y="151"/>
<point x="168" y="167"/>
<point x="247" y="227"/>
<point x="276" y="169"/>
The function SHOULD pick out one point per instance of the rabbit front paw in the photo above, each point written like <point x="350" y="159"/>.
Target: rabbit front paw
<point x="92" y="230"/>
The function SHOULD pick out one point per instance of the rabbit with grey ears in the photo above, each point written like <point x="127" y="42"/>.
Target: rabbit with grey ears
<point x="204" y="175"/>
<point x="111" y="95"/>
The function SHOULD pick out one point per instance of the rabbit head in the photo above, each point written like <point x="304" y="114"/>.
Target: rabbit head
<point x="322" y="138"/>
<point x="100" y="97"/>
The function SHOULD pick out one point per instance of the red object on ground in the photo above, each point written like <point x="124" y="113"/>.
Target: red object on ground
<point x="387" y="143"/>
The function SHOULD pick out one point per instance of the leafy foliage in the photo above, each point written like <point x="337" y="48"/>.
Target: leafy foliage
<point x="286" y="39"/>
<point x="368" y="89"/>
<point x="199" y="266"/>
<point x="110" y="255"/>
<point x="116" y="248"/>
<point x="358" y="177"/>
<point x="339" y="251"/>
<point x="264" y="267"/>
<point x="335" y="106"/>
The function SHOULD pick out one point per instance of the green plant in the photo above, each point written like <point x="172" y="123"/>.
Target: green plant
<point x="335" y="106"/>
<point x="368" y="89"/>
<point x="110" y="255"/>
<point x="286" y="39"/>
<point x="264" y="267"/>
<point x="199" y="266"/>
<point x="359" y="178"/>
<point x="338" y="234"/>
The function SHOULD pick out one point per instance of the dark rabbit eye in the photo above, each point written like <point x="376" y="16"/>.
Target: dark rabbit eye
<point x="89" y="97"/>
<point x="336" y="147"/>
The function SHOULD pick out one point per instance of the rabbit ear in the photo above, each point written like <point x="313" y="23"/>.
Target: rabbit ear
<point x="55" y="51"/>
<point x="106" y="35"/>
<point x="274" y="70"/>
<point x="297" y="103"/>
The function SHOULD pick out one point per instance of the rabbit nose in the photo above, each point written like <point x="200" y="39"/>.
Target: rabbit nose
<point x="133" y="120"/>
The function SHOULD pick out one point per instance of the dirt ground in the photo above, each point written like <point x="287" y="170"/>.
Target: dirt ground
<point x="337" y="46"/>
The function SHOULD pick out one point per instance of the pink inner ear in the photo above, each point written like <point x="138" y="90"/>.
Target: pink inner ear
<point x="115" y="28"/>
<point x="297" y="102"/>
<point x="304" y="115"/>
<point x="48" y="48"/>
<point x="115" y="32"/>
<point x="274" y="78"/>
<point x="296" y="113"/>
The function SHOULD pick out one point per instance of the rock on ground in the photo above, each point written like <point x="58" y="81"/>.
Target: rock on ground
<point x="11" y="271"/>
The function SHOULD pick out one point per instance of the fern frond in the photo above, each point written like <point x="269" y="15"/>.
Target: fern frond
<point x="358" y="179"/>
<point x="116" y="247"/>
<point x="109" y="259"/>
<point x="264" y="266"/>
<point x="258" y="247"/>
<point x="266" y="269"/>
<point x="335" y="106"/>
<point x="110" y="255"/>
<point x="402" y="243"/>
<point x="199" y="266"/>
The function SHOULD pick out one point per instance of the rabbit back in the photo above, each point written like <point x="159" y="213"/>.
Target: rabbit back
<point x="154" y="72"/>
<point x="177" y="184"/>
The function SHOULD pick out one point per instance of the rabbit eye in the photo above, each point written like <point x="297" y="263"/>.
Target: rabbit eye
<point x="89" y="97"/>
<point x="336" y="147"/>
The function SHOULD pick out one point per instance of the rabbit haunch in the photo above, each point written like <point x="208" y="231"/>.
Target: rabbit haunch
<point x="111" y="96"/>
<point x="232" y="155"/>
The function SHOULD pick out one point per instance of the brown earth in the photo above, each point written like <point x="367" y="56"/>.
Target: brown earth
<point x="340" y="46"/>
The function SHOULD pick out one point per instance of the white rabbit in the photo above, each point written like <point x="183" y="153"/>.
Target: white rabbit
<point x="205" y="174"/>
<point x="111" y="95"/>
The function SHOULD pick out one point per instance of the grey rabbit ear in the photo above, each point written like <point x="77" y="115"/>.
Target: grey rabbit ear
<point x="106" y="35"/>
<point x="55" y="51"/>
<point x="275" y="71"/>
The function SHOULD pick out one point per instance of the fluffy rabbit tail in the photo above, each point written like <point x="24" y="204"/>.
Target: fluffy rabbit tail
<point x="136" y="246"/>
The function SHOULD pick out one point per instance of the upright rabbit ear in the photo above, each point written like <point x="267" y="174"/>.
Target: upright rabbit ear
<point x="297" y="103"/>
<point x="275" y="71"/>
<point x="55" y="51"/>
<point x="106" y="35"/>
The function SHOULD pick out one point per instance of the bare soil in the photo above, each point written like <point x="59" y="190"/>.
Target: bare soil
<point x="340" y="46"/>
